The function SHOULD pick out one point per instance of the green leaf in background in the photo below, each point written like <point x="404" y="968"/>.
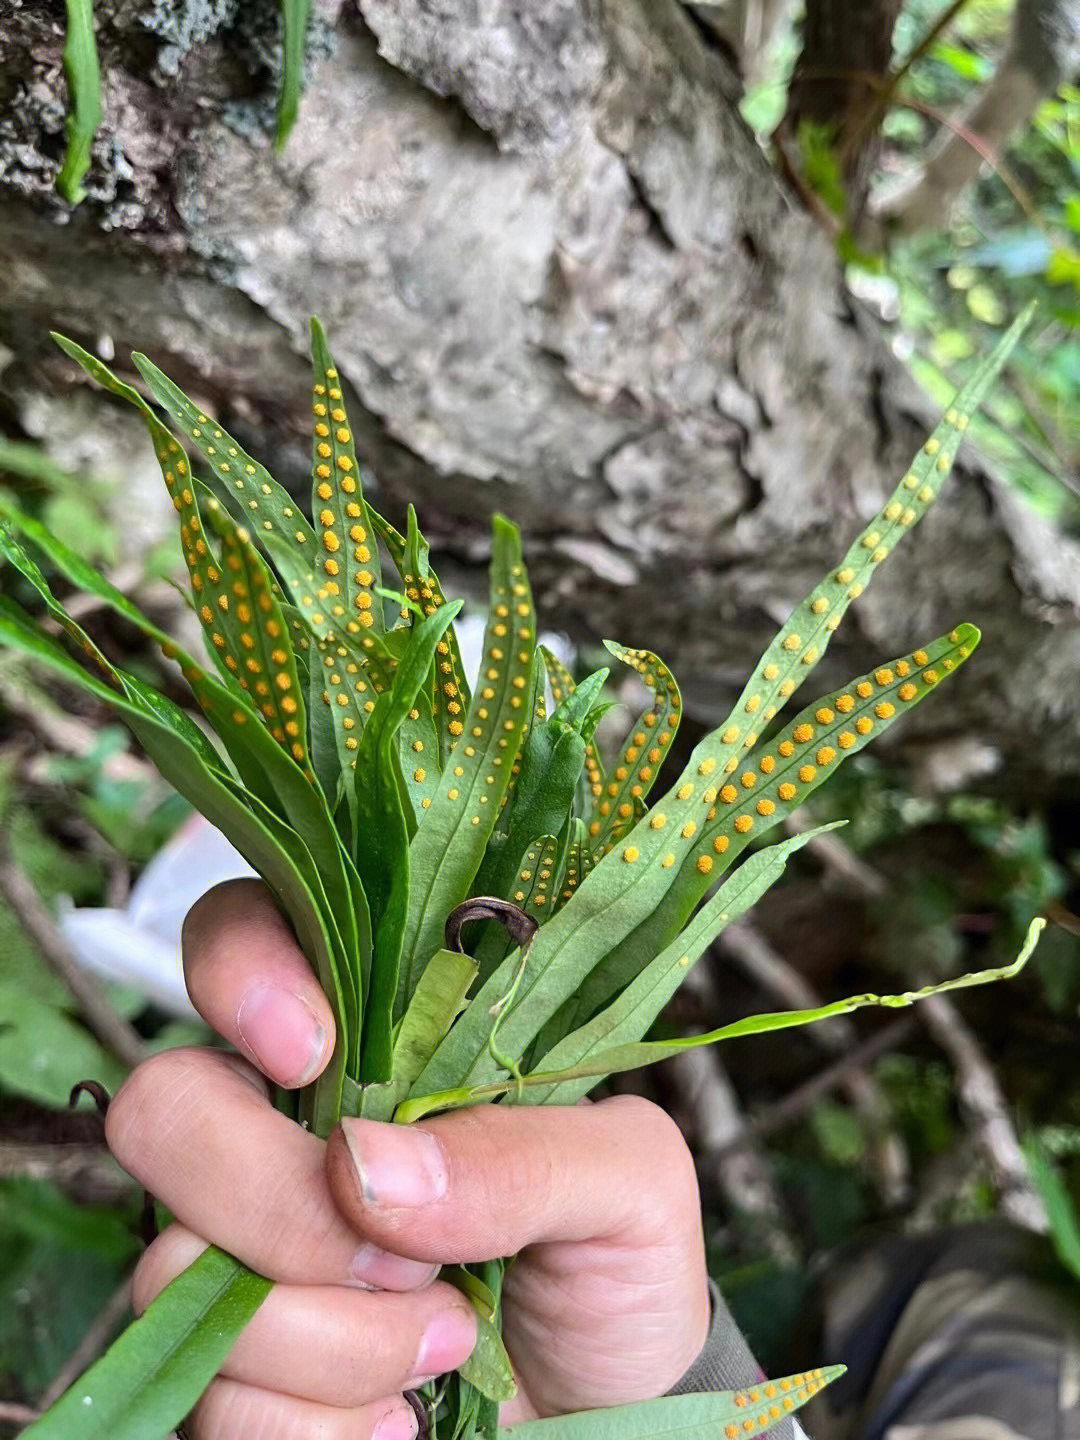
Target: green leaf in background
<point x="294" y="15"/>
<point x="152" y="1376"/>
<point x="43" y="1052"/>
<point x="84" y="98"/>
<point x="730" y="1414"/>
<point x="1060" y="1208"/>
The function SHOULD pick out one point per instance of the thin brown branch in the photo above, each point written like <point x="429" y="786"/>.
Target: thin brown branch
<point x="797" y="1102"/>
<point x="981" y="1097"/>
<point x="876" y="113"/>
<point x="15" y="1414"/>
<point x="111" y="1029"/>
<point x="104" y="1327"/>
<point x="987" y="1112"/>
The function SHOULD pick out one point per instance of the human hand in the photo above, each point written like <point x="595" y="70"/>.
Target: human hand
<point x="606" y="1303"/>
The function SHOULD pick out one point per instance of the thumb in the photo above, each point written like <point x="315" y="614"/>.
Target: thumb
<point x="483" y="1183"/>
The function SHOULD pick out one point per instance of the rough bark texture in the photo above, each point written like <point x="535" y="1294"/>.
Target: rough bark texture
<point x="561" y="281"/>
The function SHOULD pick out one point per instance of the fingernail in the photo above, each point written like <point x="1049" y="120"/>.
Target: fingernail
<point x="375" y="1269"/>
<point x="283" y="1034"/>
<point x="396" y="1424"/>
<point x="397" y="1165"/>
<point x="448" y="1342"/>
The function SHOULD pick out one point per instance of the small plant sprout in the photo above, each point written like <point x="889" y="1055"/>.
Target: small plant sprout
<point x="495" y="914"/>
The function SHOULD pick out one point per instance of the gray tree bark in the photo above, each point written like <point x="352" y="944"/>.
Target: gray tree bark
<point x="562" y="282"/>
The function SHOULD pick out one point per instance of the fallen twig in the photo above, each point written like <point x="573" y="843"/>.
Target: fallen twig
<point x="769" y="969"/>
<point x="105" y="1325"/>
<point x="796" y="1102"/>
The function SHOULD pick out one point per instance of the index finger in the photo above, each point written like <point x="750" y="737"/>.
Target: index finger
<point x="249" y="980"/>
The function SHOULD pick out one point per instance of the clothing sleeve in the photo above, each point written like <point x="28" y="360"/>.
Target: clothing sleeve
<point x="726" y="1363"/>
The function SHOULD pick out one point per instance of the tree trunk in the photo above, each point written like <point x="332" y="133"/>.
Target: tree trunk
<point x="562" y="282"/>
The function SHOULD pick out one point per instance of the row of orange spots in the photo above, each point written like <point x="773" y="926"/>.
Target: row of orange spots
<point x="654" y="730"/>
<point x="735" y="791"/>
<point x="518" y="637"/>
<point x="339" y="508"/>
<point x="257" y="628"/>
<point x="776" y="1399"/>
<point x="242" y="472"/>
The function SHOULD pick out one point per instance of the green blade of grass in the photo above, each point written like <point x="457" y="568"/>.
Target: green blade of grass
<point x="84" y="98"/>
<point x="294" y="16"/>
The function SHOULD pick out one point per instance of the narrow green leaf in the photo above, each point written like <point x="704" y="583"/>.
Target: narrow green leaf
<point x="688" y="1417"/>
<point x="84" y="98"/>
<point x="551" y="764"/>
<point x="257" y="630"/>
<point x="450" y="695"/>
<point x="397" y="548"/>
<point x="148" y="1380"/>
<point x="382" y="857"/>
<point x="628" y="1018"/>
<point x="418" y="755"/>
<point x="649" y="742"/>
<point x="488" y="1367"/>
<point x="438" y="999"/>
<point x="803" y="640"/>
<point x="16" y="555"/>
<point x="347" y="555"/>
<point x="294" y="15"/>
<point x="619" y="1058"/>
<point x="562" y="685"/>
<point x="270" y="508"/>
<point x="757" y="794"/>
<point x="187" y="760"/>
<point x="686" y="840"/>
<point x="1060" y="1208"/>
<point x="450" y="844"/>
<point x="350" y="667"/>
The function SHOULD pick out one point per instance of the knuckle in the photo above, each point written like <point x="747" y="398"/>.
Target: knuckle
<point x="127" y="1116"/>
<point x="213" y="909"/>
<point x="134" y="1122"/>
<point x="671" y="1162"/>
